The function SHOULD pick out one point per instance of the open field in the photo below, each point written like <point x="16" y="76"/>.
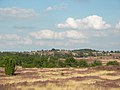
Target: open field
<point x="98" y="78"/>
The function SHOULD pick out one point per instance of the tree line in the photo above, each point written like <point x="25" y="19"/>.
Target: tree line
<point x="9" y="61"/>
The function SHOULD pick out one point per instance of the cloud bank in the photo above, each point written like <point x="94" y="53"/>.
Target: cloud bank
<point x="17" y="12"/>
<point x="90" y="22"/>
<point x="49" y="34"/>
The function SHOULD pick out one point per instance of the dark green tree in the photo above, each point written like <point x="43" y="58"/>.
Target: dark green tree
<point x="40" y="61"/>
<point x="71" y="62"/>
<point x="82" y="63"/>
<point x="27" y="62"/>
<point x="61" y="64"/>
<point x="52" y="62"/>
<point x="9" y="66"/>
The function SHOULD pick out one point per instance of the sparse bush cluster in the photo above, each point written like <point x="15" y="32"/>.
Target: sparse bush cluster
<point x="83" y="63"/>
<point x="44" y="61"/>
<point x="51" y="62"/>
<point x="113" y="63"/>
<point x="70" y="62"/>
<point x="96" y="63"/>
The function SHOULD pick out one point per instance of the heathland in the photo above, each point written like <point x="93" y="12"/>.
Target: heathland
<point x="60" y="70"/>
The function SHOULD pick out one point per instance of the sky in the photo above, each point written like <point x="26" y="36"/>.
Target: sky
<point x="27" y="25"/>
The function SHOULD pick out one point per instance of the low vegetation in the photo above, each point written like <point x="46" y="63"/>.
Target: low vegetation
<point x="113" y="63"/>
<point x="51" y="72"/>
<point x="96" y="63"/>
<point x="83" y="63"/>
<point x="44" y="61"/>
<point x="97" y="78"/>
<point x="9" y="66"/>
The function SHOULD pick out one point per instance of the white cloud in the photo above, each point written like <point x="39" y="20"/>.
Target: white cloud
<point x="47" y="38"/>
<point x="90" y="22"/>
<point x="100" y="34"/>
<point x="15" y="39"/>
<point x="25" y="41"/>
<point x="49" y="34"/>
<point x="17" y="12"/>
<point x="73" y="35"/>
<point x="118" y="26"/>
<point x="56" y="7"/>
<point x="59" y="43"/>
<point x="9" y="37"/>
<point x="49" y="8"/>
<point x="43" y="34"/>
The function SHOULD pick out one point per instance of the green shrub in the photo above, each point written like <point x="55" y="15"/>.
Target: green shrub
<point x="25" y="65"/>
<point x="61" y="64"/>
<point x="9" y="66"/>
<point x="112" y="63"/>
<point x="71" y="62"/>
<point x="82" y="63"/>
<point x="96" y="63"/>
<point x="52" y="62"/>
<point x="2" y="63"/>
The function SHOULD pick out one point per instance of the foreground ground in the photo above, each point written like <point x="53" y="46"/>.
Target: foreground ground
<point x="98" y="78"/>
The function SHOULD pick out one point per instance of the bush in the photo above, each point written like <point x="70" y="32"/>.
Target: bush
<point x="96" y="63"/>
<point x="61" y="64"/>
<point x="9" y="66"/>
<point x="82" y="63"/>
<point x="2" y="63"/>
<point x="112" y="63"/>
<point x="25" y="65"/>
<point x="62" y="74"/>
<point x="71" y="62"/>
<point x="52" y="62"/>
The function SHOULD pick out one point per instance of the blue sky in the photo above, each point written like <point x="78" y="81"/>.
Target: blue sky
<point x="64" y="24"/>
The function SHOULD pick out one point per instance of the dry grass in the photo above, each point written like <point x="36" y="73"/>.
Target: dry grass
<point x="61" y="79"/>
